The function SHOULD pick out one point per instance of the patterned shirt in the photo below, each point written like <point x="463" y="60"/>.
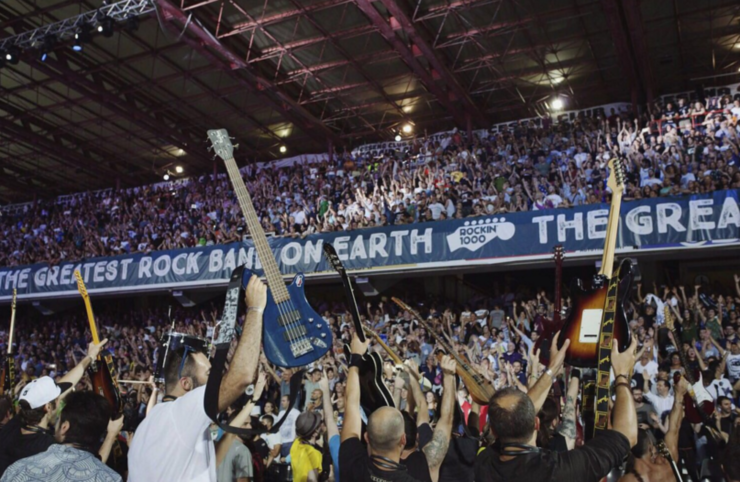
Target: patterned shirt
<point x="60" y="463"/>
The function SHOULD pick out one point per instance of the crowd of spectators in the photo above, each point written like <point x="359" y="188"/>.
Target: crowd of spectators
<point x="670" y="150"/>
<point x="496" y="333"/>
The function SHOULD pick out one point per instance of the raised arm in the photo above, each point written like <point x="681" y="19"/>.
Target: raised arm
<point x="539" y="391"/>
<point x="352" y="426"/>
<point x="436" y="449"/>
<point x="114" y="428"/>
<point x="75" y="375"/>
<point x="422" y="415"/>
<point x="329" y="420"/>
<point x="625" y="414"/>
<point x="243" y="367"/>
<point x="567" y="427"/>
<point x="671" y="437"/>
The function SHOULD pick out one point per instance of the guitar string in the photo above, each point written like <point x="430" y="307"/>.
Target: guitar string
<point x="285" y="312"/>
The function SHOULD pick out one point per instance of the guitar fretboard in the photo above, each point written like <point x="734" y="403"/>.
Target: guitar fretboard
<point x="264" y="252"/>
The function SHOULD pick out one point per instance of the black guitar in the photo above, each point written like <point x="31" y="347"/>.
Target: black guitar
<point x="373" y="392"/>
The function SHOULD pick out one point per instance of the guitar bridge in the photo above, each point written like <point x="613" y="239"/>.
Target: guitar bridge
<point x="300" y="348"/>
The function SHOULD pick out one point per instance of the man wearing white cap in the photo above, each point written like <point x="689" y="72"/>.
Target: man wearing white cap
<point x="29" y="434"/>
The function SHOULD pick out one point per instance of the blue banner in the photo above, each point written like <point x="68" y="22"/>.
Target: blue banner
<point x="661" y="223"/>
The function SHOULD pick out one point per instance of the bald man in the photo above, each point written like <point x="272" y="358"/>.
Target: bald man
<point x="513" y="420"/>
<point x="385" y="435"/>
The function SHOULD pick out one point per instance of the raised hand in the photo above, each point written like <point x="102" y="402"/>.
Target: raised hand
<point x="357" y="347"/>
<point x="412" y="369"/>
<point x="624" y="362"/>
<point x="448" y="365"/>
<point x="557" y="357"/>
<point x="93" y="350"/>
<point x="256" y="293"/>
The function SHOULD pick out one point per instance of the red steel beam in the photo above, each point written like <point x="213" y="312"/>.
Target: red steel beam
<point x="234" y="65"/>
<point x="640" y="52"/>
<point x="269" y="52"/>
<point x="437" y="63"/>
<point x="613" y="14"/>
<point x="407" y="55"/>
<point x="282" y="16"/>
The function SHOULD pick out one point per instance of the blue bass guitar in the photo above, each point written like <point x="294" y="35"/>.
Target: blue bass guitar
<point x="293" y="333"/>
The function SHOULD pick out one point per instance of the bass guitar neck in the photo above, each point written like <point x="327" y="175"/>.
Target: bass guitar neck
<point x="7" y="377"/>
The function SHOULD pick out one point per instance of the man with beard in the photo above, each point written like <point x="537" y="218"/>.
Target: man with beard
<point x="173" y="442"/>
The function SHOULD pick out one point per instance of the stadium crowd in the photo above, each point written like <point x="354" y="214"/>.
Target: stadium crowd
<point x="495" y="332"/>
<point x="670" y="150"/>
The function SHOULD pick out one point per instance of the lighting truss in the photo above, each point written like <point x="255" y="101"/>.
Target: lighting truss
<point x="65" y="29"/>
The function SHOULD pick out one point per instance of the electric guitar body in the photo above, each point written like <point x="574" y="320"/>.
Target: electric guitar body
<point x="373" y="391"/>
<point x="583" y="325"/>
<point x="298" y="335"/>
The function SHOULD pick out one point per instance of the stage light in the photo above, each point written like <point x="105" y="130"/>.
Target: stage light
<point x="398" y="137"/>
<point x="407" y="128"/>
<point x="283" y="149"/>
<point x="49" y="42"/>
<point x="13" y="55"/>
<point x="557" y="103"/>
<point x="178" y="169"/>
<point x="77" y="47"/>
<point x="106" y="27"/>
<point x="166" y="177"/>
<point x="83" y="35"/>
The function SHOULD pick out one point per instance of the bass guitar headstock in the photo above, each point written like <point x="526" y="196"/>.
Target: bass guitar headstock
<point x="663" y="450"/>
<point x="616" y="176"/>
<point x="333" y="257"/>
<point x="221" y="143"/>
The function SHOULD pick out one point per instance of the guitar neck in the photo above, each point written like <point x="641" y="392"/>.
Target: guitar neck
<point x="558" y="295"/>
<point x="12" y="325"/>
<point x="264" y="252"/>
<point x="396" y="359"/>
<point x="607" y="260"/>
<point x="91" y="319"/>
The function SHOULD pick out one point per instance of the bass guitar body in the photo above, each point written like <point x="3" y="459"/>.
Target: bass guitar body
<point x="373" y="392"/>
<point x="294" y="335"/>
<point x="701" y="413"/>
<point x="583" y="324"/>
<point x="103" y="384"/>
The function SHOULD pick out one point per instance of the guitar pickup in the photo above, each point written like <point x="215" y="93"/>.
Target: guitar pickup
<point x="295" y="333"/>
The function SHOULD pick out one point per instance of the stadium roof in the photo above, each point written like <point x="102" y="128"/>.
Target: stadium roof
<point x="307" y="74"/>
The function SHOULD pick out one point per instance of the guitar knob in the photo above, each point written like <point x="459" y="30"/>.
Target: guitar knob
<point x="310" y="320"/>
<point x="323" y="335"/>
<point x="319" y="326"/>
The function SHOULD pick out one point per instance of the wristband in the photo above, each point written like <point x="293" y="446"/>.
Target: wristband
<point x="622" y="384"/>
<point x="626" y="377"/>
<point x="355" y="360"/>
<point x="549" y="372"/>
<point x="254" y="308"/>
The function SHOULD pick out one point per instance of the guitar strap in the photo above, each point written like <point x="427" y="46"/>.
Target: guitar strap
<point x="605" y="349"/>
<point x="227" y="331"/>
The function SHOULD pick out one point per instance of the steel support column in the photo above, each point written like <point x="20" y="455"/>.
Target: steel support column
<point x="613" y="14"/>
<point x="407" y="55"/>
<point x="633" y="19"/>
<point x="439" y="64"/>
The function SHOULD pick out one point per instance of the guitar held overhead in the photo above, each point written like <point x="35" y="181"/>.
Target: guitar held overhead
<point x="479" y="388"/>
<point x="373" y="391"/>
<point x="293" y="333"/>
<point x="102" y="371"/>
<point x="7" y="377"/>
<point x="552" y="326"/>
<point x="587" y="326"/>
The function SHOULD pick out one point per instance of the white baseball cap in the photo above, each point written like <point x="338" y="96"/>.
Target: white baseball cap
<point x="41" y="391"/>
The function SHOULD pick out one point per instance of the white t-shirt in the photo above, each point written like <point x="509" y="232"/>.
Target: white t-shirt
<point x="651" y="368"/>
<point x="174" y="443"/>
<point x="271" y="439"/>
<point x="287" y="429"/>
<point x="661" y="404"/>
<point x="733" y="366"/>
<point x="436" y="209"/>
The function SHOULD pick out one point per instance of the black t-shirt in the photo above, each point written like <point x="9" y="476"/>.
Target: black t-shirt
<point x="459" y="460"/>
<point x="355" y="465"/>
<point x="15" y="446"/>
<point x="591" y="462"/>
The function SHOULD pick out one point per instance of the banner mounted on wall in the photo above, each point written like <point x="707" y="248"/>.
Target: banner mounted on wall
<point x="662" y="223"/>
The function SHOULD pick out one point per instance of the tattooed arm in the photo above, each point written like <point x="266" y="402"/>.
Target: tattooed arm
<point x="436" y="449"/>
<point x="567" y="427"/>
